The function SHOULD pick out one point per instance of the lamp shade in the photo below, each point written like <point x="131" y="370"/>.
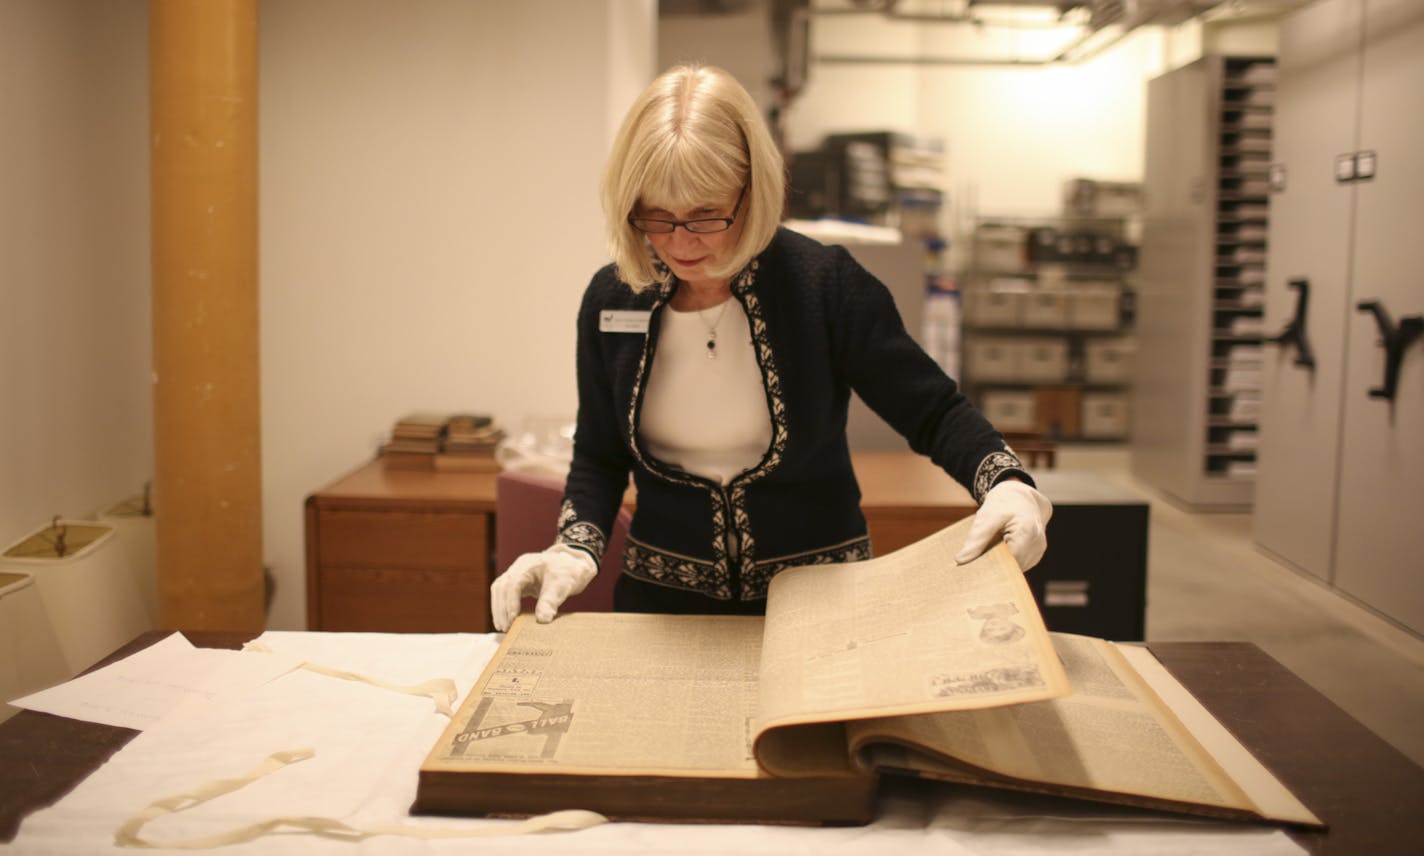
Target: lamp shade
<point x="30" y="656"/>
<point x="85" y="586"/>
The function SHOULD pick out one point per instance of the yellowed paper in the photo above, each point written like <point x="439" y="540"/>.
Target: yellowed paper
<point x="902" y="634"/>
<point x="612" y="692"/>
<point x="1262" y="788"/>
<point x="1112" y="734"/>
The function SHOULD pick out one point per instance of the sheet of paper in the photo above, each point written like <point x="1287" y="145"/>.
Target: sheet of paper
<point x="909" y="632"/>
<point x="139" y="690"/>
<point x="406" y="658"/>
<point x="652" y="694"/>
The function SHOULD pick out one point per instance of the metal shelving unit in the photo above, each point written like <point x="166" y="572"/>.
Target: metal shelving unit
<point x="1047" y="321"/>
<point x="1202" y="279"/>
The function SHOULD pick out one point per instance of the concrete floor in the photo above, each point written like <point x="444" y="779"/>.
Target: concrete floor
<point x="1207" y="580"/>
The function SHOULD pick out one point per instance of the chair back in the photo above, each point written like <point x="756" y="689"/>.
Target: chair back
<point x="526" y="521"/>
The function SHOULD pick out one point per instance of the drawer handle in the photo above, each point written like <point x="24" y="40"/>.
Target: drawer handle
<point x="1395" y="340"/>
<point x="1294" y="332"/>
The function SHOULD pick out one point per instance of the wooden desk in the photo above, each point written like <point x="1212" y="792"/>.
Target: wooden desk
<point x="1368" y="793"/>
<point x="400" y="551"/>
<point x="905" y="497"/>
<point x="412" y="551"/>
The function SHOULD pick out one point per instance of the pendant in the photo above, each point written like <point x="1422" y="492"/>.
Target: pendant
<point x="712" y="347"/>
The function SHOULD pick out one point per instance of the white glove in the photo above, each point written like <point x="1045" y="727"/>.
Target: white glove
<point x="554" y="576"/>
<point x="1020" y="513"/>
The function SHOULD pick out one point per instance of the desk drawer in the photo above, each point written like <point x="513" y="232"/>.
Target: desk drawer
<point x="891" y="530"/>
<point x="404" y="539"/>
<point x="405" y="600"/>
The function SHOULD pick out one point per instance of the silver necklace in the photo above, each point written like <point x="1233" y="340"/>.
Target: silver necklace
<point x="712" y="329"/>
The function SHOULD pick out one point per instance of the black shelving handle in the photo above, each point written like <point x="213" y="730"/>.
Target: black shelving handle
<point x="1294" y="332"/>
<point x="1395" y="339"/>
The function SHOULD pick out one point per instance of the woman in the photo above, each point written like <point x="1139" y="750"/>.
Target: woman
<point x="716" y="358"/>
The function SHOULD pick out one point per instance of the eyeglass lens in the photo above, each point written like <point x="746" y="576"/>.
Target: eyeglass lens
<point x="701" y="227"/>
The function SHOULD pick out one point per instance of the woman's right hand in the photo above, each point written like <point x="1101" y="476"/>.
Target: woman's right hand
<point x="552" y="576"/>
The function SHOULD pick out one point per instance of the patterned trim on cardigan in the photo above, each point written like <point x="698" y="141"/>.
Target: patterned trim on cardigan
<point x="994" y="466"/>
<point x="580" y="534"/>
<point x="756" y="580"/>
<point x="649" y="564"/>
<point x="776" y="408"/>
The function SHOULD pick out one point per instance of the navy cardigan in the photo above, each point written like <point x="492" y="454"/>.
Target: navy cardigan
<point x="821" y="326"/>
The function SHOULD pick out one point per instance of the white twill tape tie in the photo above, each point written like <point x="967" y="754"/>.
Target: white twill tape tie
<point x="128" y="834"/>
<point x="440" y="690"/>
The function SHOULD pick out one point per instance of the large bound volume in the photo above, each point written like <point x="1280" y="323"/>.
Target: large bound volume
<point x="906" y="664"/>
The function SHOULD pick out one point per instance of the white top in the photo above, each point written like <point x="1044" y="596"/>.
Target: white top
<point x="706" y="415"/>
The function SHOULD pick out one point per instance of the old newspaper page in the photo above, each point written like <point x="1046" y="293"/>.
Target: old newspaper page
<point x="1112" y="736"/>
<point x="906" y="633"/>
<point x="598" y="693"/>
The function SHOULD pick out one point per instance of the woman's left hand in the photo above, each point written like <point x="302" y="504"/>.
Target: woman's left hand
<point x="1017" y="511"/>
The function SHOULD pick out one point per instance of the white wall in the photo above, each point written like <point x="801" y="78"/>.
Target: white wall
<point x="75" y="362"/>
<point x="429" y="177"/>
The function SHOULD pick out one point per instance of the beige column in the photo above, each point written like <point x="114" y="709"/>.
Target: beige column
<point x="207" y="430"/>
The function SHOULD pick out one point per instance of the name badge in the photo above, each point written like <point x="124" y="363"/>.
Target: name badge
<point x="623" y="320"/>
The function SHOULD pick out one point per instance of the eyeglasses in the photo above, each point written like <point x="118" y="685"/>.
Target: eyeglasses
<point x="700" y="226"/>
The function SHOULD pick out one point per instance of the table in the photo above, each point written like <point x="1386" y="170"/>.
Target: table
<point x="392" y="550"/>
<point x="1367" y="792"/>
<point x="411" y="551"/>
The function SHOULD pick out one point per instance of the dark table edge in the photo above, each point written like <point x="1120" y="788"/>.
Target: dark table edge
<point x="1370" y="796"/>
<point x="86" y="745"/>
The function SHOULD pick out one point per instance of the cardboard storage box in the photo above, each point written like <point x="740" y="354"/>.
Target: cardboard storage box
<point x="1044" y="361"/>
<point x="1045" y="309"/>
<point x="1009" y="411"/>
<point x="1104" y="415"/>
<point x="992" y="307"/>
<point x="1094" y="307"/>
<point x="993" y="359"/>
<point x="1000" y="248"/>
<point x="1108" y="360"/>
<point x="1086" y="197"/>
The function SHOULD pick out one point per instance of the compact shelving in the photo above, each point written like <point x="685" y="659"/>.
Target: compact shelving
<point x="1208" y="181"/>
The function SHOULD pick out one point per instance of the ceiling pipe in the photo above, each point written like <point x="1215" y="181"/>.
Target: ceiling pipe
<point x="1144" y="14"/>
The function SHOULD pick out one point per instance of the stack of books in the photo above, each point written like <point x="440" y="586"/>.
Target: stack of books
<point x="469" y="444"/>
<point x="415" y="441"/>
<point x="443" y="441"/>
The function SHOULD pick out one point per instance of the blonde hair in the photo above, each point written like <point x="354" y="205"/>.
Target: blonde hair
<point x="692" y="137"/>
